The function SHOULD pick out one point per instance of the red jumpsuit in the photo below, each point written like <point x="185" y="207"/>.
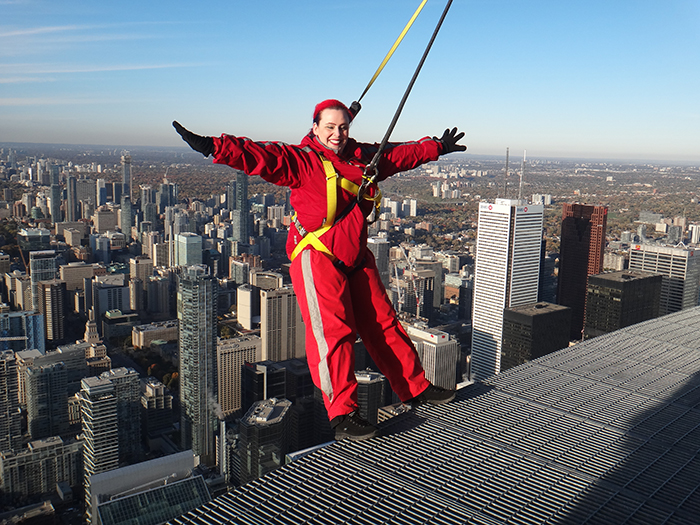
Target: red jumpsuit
<point x="337" y="303"/>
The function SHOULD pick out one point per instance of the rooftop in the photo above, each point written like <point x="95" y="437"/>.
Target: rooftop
<point x="606" y="431"/>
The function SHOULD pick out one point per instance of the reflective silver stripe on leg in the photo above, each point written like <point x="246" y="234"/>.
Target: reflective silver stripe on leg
<point x="316" y="323"/>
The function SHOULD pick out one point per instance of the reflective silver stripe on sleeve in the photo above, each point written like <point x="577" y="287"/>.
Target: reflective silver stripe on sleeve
<point x="316" y="323"/>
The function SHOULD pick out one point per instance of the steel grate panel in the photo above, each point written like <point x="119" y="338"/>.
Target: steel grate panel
<point x="601" y="432"/>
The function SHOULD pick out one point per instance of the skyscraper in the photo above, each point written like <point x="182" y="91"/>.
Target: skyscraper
<point x="506" y="274"/>
<point x="439" y="355"/>
<point x="436" y="267"/>
<point x="51" y="304"/>
<point x="141" y="267"/>
<point x="47" y="400"/>
<point x="263" y="380"/>
<point x="680" y="268"/>
<point x="620" y="299"/>
<point x="10" y="419"/>
<point x="72" y="200"/>
<point x="581" y="254"/>
<point x="371" y="394"/>
<point x="98" y="408"/>
<point x="416" y="290"/>
<point x="127" y="389"/>
<point x="281" y="325"/>
<point x="42" y="267"/>
<point x="28" y="325"/>
<point x="232" y="355"/>
<point x="379" y="247"/>
<point x="167" y="195"/>
<point x="264" y="438"/>
<point x="188" y="249"/>
<point x="125" y="222"/>
<point x="237" y="202"/>
<point x="126" y="174"/>
<point x="533" y="330"/>
<point x="55" y="195"/>
<point x="156" y="408"/>
<point x="196" y="307"/>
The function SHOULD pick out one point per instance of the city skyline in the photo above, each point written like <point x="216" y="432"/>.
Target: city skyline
<point x="585" y="80"/>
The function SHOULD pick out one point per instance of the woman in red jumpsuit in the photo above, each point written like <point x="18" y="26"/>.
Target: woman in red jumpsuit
<point x="334" y="274"/>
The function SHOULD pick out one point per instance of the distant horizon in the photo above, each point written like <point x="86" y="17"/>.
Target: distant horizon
<point x="513" y="157"/>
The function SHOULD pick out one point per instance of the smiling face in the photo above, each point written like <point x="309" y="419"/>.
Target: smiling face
<point x="332" y="128"/>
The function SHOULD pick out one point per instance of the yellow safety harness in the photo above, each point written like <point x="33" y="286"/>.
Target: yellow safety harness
<point x="333" y="180"/>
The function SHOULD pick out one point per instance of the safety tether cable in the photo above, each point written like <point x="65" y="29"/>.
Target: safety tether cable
<point x="371" y="169"/>
<point x="393" y="48"/>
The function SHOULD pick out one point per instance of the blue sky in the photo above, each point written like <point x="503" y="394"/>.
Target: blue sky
<point x="576" y="78"/>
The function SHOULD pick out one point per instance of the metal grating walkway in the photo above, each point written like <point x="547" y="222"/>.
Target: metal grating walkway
<point x="607" y="431"/>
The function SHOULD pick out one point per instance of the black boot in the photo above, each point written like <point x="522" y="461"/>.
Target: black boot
<point x="434" y="395"/>
<point x="352" y="426"/>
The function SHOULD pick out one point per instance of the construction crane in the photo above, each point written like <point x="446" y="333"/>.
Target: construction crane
<point x="412" y="268"/>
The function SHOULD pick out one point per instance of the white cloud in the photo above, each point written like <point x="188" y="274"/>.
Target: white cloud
<point x="45" y="69"/>
<point x="25" y="80"/>
<point x="38" y="31"/>
<point x="51" y="101"/>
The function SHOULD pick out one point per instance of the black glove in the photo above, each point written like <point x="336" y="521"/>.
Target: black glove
<point x="449" y="141"/>
<point x="205" y="145"/>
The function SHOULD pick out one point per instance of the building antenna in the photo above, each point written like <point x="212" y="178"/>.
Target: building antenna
<point x="522" y="173"/>
<point x="505" y="185"/>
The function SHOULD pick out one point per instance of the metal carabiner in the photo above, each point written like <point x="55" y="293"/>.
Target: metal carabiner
<point x="368" y="177"/>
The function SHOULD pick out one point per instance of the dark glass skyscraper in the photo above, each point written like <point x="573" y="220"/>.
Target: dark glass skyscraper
<point x="237" y="202"/>
<point x="619" y="299"/>
<point x="581" y="254"/>
<point x="196" y="313"/>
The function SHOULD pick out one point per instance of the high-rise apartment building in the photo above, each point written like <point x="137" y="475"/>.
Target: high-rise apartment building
<point x="36" y="470"/>
<point x="680" y="268"/>
<point x="506" y="274"/>
<point x="141" y="267"/>
<point x="51" y="304"/>
<point x="10" y="419"/>
<point x="620" y="299"/>
<point x="232" y="355"/>
<point x="581" y="254"/>
<point x="281" y="325"/>
<point x="98" y="408"/>
<point x="196" y="313"/>
<point x="127" y="389"/>
<point x="47" y="400"/>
